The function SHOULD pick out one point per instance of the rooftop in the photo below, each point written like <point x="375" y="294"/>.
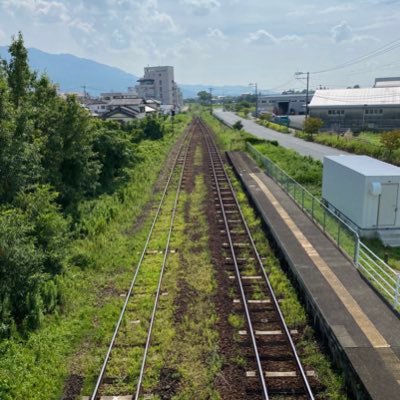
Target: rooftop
<point x="126" y="102"/>
<point x="356" y="97"/>
<point x="365" y="165"/>
<point x="301" y="95"/>
<point x="387" y="82"/>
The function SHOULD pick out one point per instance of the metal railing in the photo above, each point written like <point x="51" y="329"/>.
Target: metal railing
<point x="383" y="278"/>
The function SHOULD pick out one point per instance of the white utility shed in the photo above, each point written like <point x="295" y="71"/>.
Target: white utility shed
<point x="364" y="190"/>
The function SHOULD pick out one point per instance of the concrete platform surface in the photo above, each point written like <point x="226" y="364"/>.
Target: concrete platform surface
<point x="361" y="331"/>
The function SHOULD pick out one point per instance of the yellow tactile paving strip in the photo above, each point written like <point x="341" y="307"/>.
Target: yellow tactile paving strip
<point x="362" y="320"/>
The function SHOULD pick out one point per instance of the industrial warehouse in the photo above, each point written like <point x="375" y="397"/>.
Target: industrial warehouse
<point x="374" y="109"/>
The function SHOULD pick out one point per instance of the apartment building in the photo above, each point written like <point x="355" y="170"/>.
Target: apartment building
<point x="159" y="83"/>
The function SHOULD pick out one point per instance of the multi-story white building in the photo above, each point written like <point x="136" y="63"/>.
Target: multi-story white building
<point x="158" y="83"/>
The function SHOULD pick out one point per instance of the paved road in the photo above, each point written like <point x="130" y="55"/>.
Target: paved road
<point x="314" y="150"/>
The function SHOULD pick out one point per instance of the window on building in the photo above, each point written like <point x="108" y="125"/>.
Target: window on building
<point x="335" y="112"/>
<point x="373" y="111"/>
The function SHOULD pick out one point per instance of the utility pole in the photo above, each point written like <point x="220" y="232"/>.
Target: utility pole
<point x="84" y="91"/>
<point x="307" y="74"/>
<point x="211" y="97"/>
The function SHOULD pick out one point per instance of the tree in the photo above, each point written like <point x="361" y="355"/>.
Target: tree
<point x="237" y="125"/>
<point x="115" y="151"/>
<point x="204" y="97"/>
<point x="69" y="159"/>
<point x="19" y="74"/>
<point x="33" y="242"/>
<point x="312" y="126"/>
<point x="391" y="141"/>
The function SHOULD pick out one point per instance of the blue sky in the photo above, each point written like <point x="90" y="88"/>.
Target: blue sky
<point x="217" y="41"/>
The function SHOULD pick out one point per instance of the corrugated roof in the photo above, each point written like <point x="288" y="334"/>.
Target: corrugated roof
<point x="356" y="97"/>
<point x="382" y="84"/>
<point x="366" y="166"/>
<point x="387" y="82"/>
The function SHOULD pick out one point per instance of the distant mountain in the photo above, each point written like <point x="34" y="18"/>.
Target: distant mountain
<point x="72" y="73"/>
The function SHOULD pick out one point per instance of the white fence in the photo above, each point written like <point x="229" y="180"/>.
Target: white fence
<point x="383" y="278"/>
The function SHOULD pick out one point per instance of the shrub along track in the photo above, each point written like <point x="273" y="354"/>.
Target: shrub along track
<point x="213" y="330"/>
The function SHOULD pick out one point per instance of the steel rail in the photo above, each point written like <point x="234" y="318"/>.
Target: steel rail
<point x="243" y="295"/>
<point x="300" y="367"/>
<point x="164" y="263"/>
<point x="131" y="287"/>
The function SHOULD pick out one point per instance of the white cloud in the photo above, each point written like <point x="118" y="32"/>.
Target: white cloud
<point x="337" y="9"/>
<point x="215" y="33"/>
<point x="163" y="21"/>
<point x="343" y="32"/>
<point x="51" y="11"/>
<point x="264" y="38"/>
<point x="201" y="7"/>
<point x="42" y="10"/>
<point x="134" y="33"/>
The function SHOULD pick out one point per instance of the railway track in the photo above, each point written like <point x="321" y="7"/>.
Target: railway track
<point x="128" y="348"/>
<point x="274" y="370"/>
<point x="270" y="347"/>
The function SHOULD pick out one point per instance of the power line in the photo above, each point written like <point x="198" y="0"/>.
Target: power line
<point x="378" y="52"/>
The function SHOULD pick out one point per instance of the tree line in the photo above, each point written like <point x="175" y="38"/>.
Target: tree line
<point x="53" y="157"/>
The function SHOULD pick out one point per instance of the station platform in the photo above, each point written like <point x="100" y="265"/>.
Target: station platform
<point x="361" y="331"/>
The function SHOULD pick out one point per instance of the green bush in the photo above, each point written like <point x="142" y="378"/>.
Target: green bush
<point x="304" y="170"/>
<point x="275" y="127"/>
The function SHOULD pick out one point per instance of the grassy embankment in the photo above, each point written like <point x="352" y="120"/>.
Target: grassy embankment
<point x="294" y="312"/>
<point x="100" y="268"/>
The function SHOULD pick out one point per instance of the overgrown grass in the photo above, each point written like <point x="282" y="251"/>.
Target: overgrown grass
<point x="126" y="359"/>
<point x="184" y="358"/>
<point x="36" y="368"/>
<point x="366" y="143"/>
<point x="274" y="126"/>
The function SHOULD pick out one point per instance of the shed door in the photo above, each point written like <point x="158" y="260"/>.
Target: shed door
<point x="388" y="204"/>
